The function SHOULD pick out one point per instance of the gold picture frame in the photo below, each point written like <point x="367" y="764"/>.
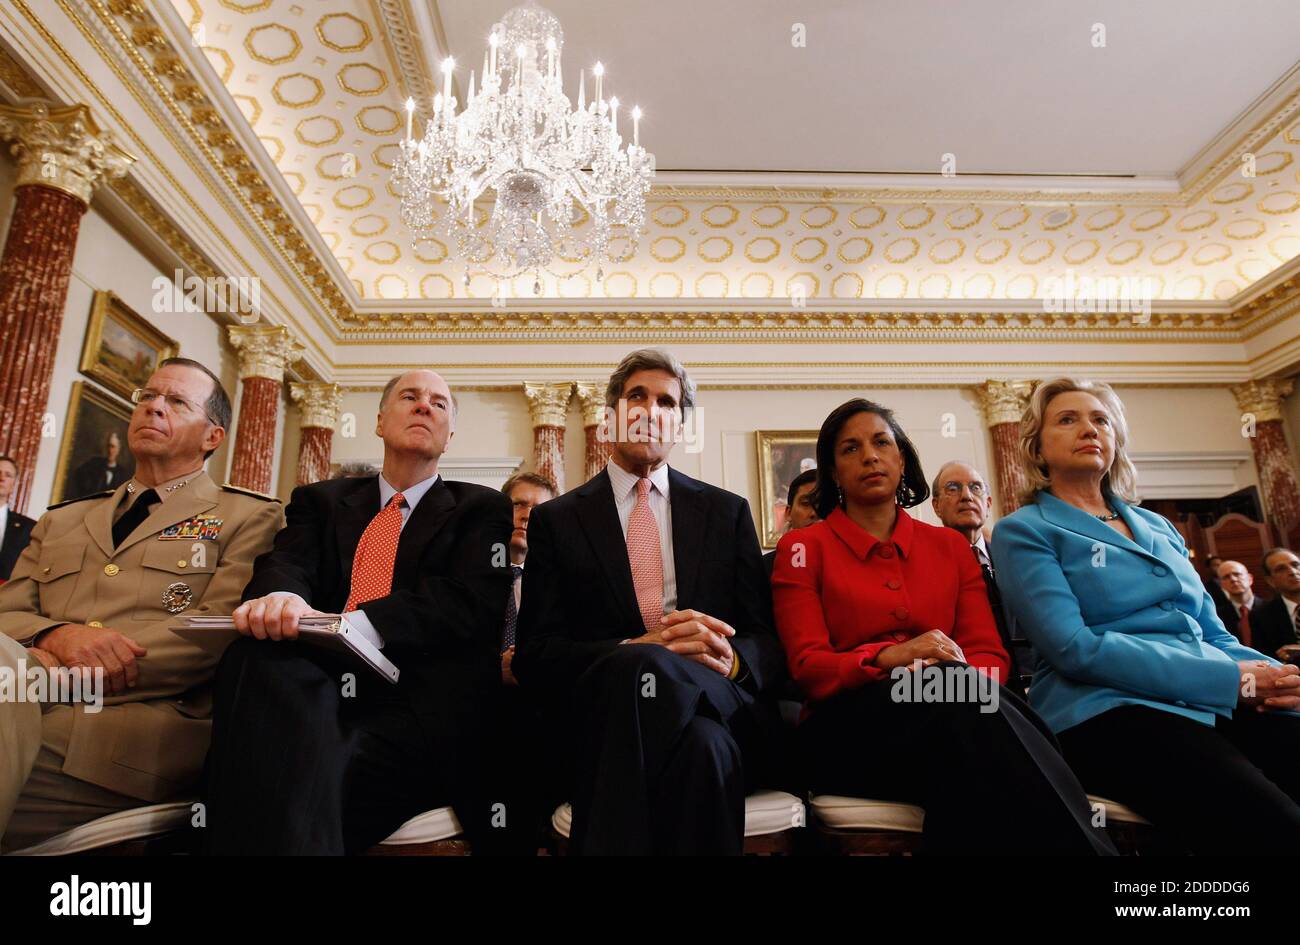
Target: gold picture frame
<point x="84" y="466"/>
<point x="121" y="349"/>
<point x="782" y="455"/>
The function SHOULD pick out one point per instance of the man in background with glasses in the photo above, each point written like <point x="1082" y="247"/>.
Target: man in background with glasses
<point x="96" y="589"/>
<point x="962" y="500"/>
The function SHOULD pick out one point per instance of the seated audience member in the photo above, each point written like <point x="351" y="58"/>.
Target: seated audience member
<point x="521" y="764"/>
<point x="801" y="509"/>
<point x="646" y="629"/>
<point x="314" y="753"/>
<point x="1239" y="605"/>
<point x="1154" y="702"/>
<point x="869" y="596"/>
<point x="1210" y="578"/>
<point x="96" y="588"/>
<point x="962" y="499"/>
<point x="15" y="528"/>
<point x="1277" y="624"/>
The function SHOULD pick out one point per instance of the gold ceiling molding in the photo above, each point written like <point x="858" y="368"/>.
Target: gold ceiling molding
<point x="407" y="50"/>
<point x="155" y="56"/>
<point x="16" y="78"/>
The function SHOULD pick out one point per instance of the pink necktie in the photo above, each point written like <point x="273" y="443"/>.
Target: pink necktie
<point x="645" y="557"/>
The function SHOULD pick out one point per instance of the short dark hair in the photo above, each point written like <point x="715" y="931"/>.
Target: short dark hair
<point x="912" y="487"/>
<point x="798" y="482"/>
<point x="10" y="460"/>
<point x="217" y="405"/>
<point x="532" y="478"/>
<point x="1263" y="562"/>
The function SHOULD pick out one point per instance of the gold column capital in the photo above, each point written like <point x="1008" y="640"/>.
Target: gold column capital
<point x="318" y="403"/>
<point x="1263" y="397"/>
<point x="548" y="404"/>
<point x="62" y="148"/>
<point x="264" y="350"/>
<point x="592" y="397"/>
<point x="1003" y="401"/>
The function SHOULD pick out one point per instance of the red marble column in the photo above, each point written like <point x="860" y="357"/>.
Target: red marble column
<point x="1003" y="403"/>
<point x="264" y="352"/>
<point x="598" y="445"/>
<point x="548" y="405"/>
<point x="314" y="455"/>
<point x="1261" y="405"/>
<point x="62" y="157"/>
<point x="319" y="406"/>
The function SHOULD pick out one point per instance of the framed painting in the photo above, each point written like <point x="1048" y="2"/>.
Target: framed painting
<point x="95" y="455"/>
<point x="121" y="349"/>
<point x="782" y="455"/>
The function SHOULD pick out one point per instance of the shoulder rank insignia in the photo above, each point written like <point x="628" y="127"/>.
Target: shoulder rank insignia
<point x="198" y="528"/>
<point x="227" y="487"/>
<point x="81" y="498"/>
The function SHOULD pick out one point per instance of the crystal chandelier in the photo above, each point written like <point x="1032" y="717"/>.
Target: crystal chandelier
<point x="551" y="167"/>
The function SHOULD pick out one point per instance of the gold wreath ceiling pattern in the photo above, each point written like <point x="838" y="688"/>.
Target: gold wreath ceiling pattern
<point x="317" y="85"/>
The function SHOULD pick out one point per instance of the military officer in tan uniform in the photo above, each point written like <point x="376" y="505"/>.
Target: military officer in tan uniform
<point x="96" y="588"/>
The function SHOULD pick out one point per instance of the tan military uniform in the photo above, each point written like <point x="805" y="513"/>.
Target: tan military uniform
<point x="193" y="554"/>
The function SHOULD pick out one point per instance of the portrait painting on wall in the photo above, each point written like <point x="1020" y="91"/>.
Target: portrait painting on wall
<point x="121" y="349"/>
<point x="782" y="455"/>
<point x="95" y="455"/>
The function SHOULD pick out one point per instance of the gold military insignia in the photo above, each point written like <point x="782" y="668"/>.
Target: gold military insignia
<point x="177" y="597"/>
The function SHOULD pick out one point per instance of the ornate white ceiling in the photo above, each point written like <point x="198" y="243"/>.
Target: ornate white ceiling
<point x="321" y="85"/>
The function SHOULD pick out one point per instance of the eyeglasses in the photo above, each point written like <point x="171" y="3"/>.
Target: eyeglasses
<point x="175" y="403"/>
<point x="954" y="489"/>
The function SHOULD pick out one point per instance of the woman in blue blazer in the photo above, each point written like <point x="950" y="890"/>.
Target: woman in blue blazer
<point x="1154" y="702"/>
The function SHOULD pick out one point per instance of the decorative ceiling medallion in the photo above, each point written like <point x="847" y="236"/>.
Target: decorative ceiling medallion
<point x="913" y="218"/>
<point x="1280" y="201"/>
<point x="245" y="6"/>
<point x="1166" y="253"/>
<point x="891" y="285"/>
<point x="669" y="215"/>
<point x="710" y="217"/>
<point x="993" y="251"/>
<point x="371" y="224"/>
<point x="343" y="32"/>
<point x="1011" y="218"/>
<point x="333" y="166"/>
<point x="712" y="285"/>
<point x="937" y="285"/>
<point x="756" y="285"/>
<point x="769" y="216"/>
<point x="666" y="285"/>
<point x="354" y="197"/>
<point x="1232" y="193"/>
<point x="667" y="249"/>
<point x="220" y="61"/>
<point x="378" y="120"/>
<point x="762" y="249"/>
<point x="860" y="218"/>
<point x="1244" y="229"/>
<point x="1032" y="253"/>
<point x="385" y="155"/>
<point x="813" y="249"/>
<point x="715" y="249"/>
<point x="847" y="285"/>
<point x="978" y="286"/>
<point x="392" y="286"/>
<point x="1149" y="219"/>
<point x="297" y="90"/>
<point x="429" y="250"/>
<point x="1211" y="253"/>
<point x="272" y="44"/>
<point x="274" y="146"/>
<point x="318" y="131"/>
<point x="804" y="284"/>
<point x="250" y="107"/>
<point x="620" y="285"/>
<point x="1285" y="248"/>
<point x="1103" y="219"/>
<point x="1081" y="252"/>
<point x="437" y="286"/>
<point x="1196" y="220"/>
<point x="902" y="249"/>
<point x="854" y="250"/>
<point x="361" y="78"/>
<point x="1057" y="218"/>
<point x="818" y="216"/>
<point x="963" y="218"/>
<point x="1270" y="162"/>
<point x="1124" y="252"/>
<point x="946" y="251"/>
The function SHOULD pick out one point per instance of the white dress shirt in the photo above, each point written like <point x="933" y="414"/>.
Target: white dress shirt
<point x="4" y="521"/>
<point x="1290" y="611"/>
<point x="624" y="485"/>
<point x="982" y="552"/>
<point x="412" y="495"/>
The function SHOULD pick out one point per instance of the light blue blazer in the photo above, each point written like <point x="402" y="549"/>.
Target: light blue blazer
<point x="1114" y="622"/>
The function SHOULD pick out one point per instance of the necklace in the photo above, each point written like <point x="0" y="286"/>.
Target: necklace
<point x="1110" y="517"/>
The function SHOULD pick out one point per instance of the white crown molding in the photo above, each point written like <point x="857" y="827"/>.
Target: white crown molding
<point x="1189" y="475"/>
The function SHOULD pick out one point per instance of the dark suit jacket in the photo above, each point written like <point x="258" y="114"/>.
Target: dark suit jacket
<point x="441" y="623"/>
<point x="1272" y="628"/>
<point x="1227" y="612"/>
<point x="92" y="476"/>
<point x="18" y="532"/>
<point x="578" y="599"/>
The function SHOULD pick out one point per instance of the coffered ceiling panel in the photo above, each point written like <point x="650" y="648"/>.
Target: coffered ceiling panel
<point x="322" y="84"/>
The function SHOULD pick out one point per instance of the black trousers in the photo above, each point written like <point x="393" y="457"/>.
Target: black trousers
<point x="297" y="768"/>
<point x="1232" y="788"/>
<point x="664" y="751"/>
<point x="990" y="782"/>
<point x="521" y="776"/>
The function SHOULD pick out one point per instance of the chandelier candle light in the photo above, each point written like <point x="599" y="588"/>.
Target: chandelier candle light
<point x="550" y="166"/>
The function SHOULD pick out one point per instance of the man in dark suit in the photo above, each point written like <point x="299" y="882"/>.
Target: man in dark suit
<point x="312" y="753"/>
<point x="801" y="510"/>
<point x="962" y="499"/>
<point x="1278" y="622"/>
<point x="646" y="632"/>
<point x="99" y="472"/>
<point x="1238" y="607"/>
<point x="15" y="529"/>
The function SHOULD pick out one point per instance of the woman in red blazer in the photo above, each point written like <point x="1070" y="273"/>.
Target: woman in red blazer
<point x="887" y="628"/>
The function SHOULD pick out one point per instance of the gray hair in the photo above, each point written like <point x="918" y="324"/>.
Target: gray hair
<point x="649" y="359"/>
<point x="1120" y="480"/>
<point x="356" y="471"/>
<point x="392" y="382"/>
<point x="934" y="486"/>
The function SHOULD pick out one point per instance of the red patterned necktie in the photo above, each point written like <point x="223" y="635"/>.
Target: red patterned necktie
<point x="646" y="558"/>
<point x="1243" y="625"/>
<point x="372" y="565"/>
